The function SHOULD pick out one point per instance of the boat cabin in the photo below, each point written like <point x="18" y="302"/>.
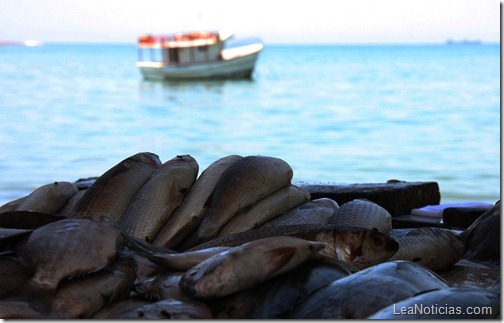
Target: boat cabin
<point x="182" y="48"/>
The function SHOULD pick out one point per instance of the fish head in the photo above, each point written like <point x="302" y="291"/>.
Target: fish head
<point x="361" y="248"/>
<point x="197" y="281"/>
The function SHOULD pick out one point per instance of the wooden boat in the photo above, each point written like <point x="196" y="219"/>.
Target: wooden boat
<point x="194" y="55"/>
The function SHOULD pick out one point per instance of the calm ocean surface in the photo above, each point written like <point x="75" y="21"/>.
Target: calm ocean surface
<point x="336" y="114"/>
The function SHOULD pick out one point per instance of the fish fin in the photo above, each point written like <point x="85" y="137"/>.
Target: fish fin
<point x="280" y="257"/>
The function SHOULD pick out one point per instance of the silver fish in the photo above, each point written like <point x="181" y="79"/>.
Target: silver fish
<point x="168" y="309"/>
<point x="186" y="218"/>
<point x="435" y="248"/>
<point x="266" y="209"/>
<point x="48" y="198"/>
<point x="317" y="211"/>
<point x="109" y="196"/>
<point x="244" y="266"/>
<point x="364" y="214"/>
<point x="243" y="183"/>
<point x="357" y="246"/>
<point x="157" y="199"/>
<point x="363" y="293"/>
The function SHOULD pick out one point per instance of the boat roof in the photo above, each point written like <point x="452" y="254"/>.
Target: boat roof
<point x="178" y="40"/>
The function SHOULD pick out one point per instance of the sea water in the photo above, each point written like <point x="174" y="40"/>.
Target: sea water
<point x="335" y="113"/>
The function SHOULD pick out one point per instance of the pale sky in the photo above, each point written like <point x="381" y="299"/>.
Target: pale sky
<point x="273" y="21"/>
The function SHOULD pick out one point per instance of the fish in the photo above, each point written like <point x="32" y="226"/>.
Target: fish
<point x="357" y="246"/>
<point x="482" y="240"/>
<point x="162" y="286"/>
<point x="186" y="218"/>
<point x="495" y="210"/>
<point x="184" y="260"/>
<point x="12" y="205"/>
<point x="363" y="293"/>
<point x="243" y="183"/>
<point x="266" y="209"/>
<point x="274" y="298"/>
<point x="167" y="309"/>
<point x="68" y="248"/>
<point x="316" y="211"/>
<point x="364" y="214"/>
<point x="247" y="265"/>
<point x="110" y="195"/>
<point x="453" y="303"/>
<point x="82" y="297"/>
<point x="49" y="198"/>
<point x="158" y="197"/>
<point x="434" y="248"/>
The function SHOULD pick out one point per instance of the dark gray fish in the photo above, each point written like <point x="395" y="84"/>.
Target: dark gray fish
<point x="48" y="198"/>
<point x="266" y="209"/>
<point x="167" y="309"/>
<point x="186" y="218"/>
<point x="68" y="248"/>
<point x="454" y="303"/>
<point x="243" y="183"/>
<point x="363" y="293"/>
<point x="158" y="197"/>
<point x="483" y="240"/>
<point x="274" y="298"/>
<point x="364" y="214"/>
<point x="112" y="192"/>
<point x="84" y="296"/>
<point x="434" y="248"/>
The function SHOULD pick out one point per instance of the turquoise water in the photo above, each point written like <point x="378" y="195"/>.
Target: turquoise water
<point x="341" y="114"/>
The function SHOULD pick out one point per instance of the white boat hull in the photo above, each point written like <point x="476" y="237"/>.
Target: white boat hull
<point x="236" y="63"/>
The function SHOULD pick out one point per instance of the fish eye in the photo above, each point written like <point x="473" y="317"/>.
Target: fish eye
<point x="378" y="242"/>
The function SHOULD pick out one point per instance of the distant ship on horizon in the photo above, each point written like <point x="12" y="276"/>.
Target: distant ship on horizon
<point x="463" y="42"/>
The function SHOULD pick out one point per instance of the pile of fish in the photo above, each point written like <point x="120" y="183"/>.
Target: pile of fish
<point x="153" y="240"/>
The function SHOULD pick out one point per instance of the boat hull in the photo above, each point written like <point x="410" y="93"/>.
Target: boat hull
<point x="235" y="67"/>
